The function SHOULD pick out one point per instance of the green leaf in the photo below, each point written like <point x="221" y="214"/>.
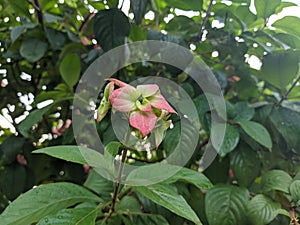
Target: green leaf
<point x="138" y="8"/>
<point x="17" y="31"/>
<point x="34" y="117"/>
<point x="113" y="148"/>
<point x="289" y="24"/>
<point x="192" y="177"/>
<point x="111" y="27"/>
<point x="243" y="111"/>
<point x="55" y="37"/>
<point x="230" y="141"/>
<point x="76" y="154"/>
<point x="10" y="148"/>
<point x="143" y="218"/>
<point x="262" y="210"/>
<point x="287" y="123"/>
<point x="266" y="8"/>
<point x="194" y="5"/>
<point x="33" y="49"/>
<point x="164" y="196"/>
<point x="128" y="204"/>
<point x="226" y="205"/>
<point x="245" y="164"/>
<point x="295" y="190"/>
<point x="258" y="132"/>
<point x="78" y="216"/>
<point x="44" y="200"/>
<point x="181" y="25"/>
<point x="276" y="180"/>
<point x="279" y="68"/>
<point x="99" y="185"/>
<point x="70" y="69"/>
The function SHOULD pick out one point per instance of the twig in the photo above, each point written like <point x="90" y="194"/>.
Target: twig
<point x="202" y="26"/>
<point x="284" y="97"/>
<point x="36" y="5"/>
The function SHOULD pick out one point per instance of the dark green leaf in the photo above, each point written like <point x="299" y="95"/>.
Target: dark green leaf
<point x="164" y="196"/>
<point x="70" y="69"/>
<point x="10" y="148"/>
<point x="279" y="68"/>
<point x="276" y="180"/>
<point x="78" y="216"/>
<point x="258" y="132"/>
<point x="128" y="204"/>
<point x="44" y="200"/>
<point x="262" y="210"/>
<point x="245" y="164"/>
<point x="230" y="141"/>
<point x="143" y="218"/>
<point x="55" y="37"/>
<point x="226" y="205"/>
<point x="295" y="190"/>
<point x="181" y="25"/>
<point x="111" y="27"/>
<point x="195" y="5"/>
<point x="34" y="117"/>
<point x="138" y="8"/>
<point x="266" y="8"/>
<point x="287" y="122"/>
<point x="243" y="111"/>
<point x="33" y="49"/>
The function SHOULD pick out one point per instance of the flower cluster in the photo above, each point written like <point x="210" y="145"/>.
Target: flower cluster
<point x="148" y="110"/>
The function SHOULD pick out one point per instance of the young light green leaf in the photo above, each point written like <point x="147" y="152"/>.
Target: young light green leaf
<point x="44" y="200"/>
<point x="226" y="205"/>
<point x="276" y="180"/>
<point x="288" y="24"/>
<point x="76" y="216"/>
<point x="257" y="131"/>
<point x="262" y="210"/>
<point x="70" y="69"/>
<point x="164" y="196"/>
<point x="266" y="8"/>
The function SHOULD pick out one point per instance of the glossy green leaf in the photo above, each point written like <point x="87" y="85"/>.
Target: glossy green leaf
<point x="295" y="190"/>
<point x="44" y="200"/>
<point x="111" y="27"/>
<point x="245" y="164"/>
<point x="258" y="132"/>
<point x="70" y="69"/>
<point x="226" y="205"/>
<point x="289" y="24"/>
<point x="266" y="8"/>
<point x="276" y="180"/>
<point x="138" y="8"/>
<point x="33" y="49"/>
<point x="230" y="141"/>
<point x="243" y="111"/>
<point x="164" y="196"/>
<point x="262" y="210"/>
<point x="34" y="117"/>
<point x="191" y="176"/>
<point x="78" y="216"/>
<point x="186" y="5"/>
<point x="287" y="122"/>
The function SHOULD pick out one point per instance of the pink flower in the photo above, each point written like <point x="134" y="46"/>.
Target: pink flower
<point x="144" y="103"/>
<point x="60" y="128"/>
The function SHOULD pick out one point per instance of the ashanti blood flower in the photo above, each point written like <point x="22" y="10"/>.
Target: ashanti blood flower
<point x="148" y="110"/>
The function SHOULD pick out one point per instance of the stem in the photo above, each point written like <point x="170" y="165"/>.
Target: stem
<point x="289" y="91"/>
<point x="118" y="183"/>
<point x="202" y="26"/>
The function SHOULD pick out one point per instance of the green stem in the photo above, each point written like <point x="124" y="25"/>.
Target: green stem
<point x="284" y="97"/>
<point x="118" y="183"/>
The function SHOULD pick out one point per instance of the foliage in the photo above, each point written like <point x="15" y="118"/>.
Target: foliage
<point x="46" y="46"/>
